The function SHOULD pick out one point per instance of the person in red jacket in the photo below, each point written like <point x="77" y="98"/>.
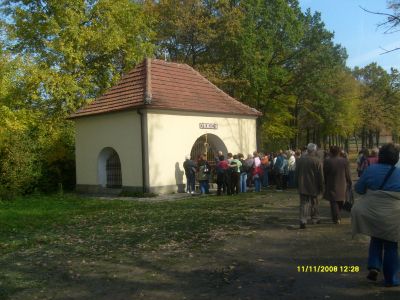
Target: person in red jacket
<point x="222" y="167"/>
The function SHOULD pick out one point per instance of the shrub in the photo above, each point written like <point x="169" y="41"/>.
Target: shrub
<point x="58" y="164"/>
<point x="19" y="169"/>
<point x="36" y="153"/>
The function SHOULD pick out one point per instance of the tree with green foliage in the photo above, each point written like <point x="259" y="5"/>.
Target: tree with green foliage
<point x="318" y="62"/>
<point x="79" y="47"/>
<point x="268" y="54"/>
<point x="380" y="104"/>
<point x="19" y="170"/>
<point x="184" y="29"/>
<point x="271" y="32"/>
<point x="246" y="47"/>
<point x="55" y="57"/>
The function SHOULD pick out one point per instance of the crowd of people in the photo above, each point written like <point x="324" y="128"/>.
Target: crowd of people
<point x="376" y="214"/>
<point x="235" y="174"/>
<point x="317" y="173"/>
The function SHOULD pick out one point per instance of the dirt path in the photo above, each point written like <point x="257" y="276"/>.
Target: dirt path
<point x="260" y="261"/>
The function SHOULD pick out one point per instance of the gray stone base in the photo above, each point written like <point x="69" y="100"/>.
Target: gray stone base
<point x="167" y="189"/>
<point x="99" y="190"/>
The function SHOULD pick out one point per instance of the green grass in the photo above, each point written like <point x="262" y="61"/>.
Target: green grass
<point x="32" y="221"/>
<point x="41" y="235"/>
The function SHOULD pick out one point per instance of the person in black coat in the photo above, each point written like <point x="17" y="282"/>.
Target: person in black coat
<point x="190" y="172"/>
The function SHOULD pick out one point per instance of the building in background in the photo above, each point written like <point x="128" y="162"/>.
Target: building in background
<point x="135" y="137"/>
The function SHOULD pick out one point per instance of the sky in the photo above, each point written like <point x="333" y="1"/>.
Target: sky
<point x="357" y="30"/>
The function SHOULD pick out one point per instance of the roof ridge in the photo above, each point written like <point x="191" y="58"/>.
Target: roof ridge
<point x="221" y="91"/>
<point x="168" y="62"/>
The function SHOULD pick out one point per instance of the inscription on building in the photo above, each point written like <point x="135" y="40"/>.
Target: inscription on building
<point x="208" y="126"/>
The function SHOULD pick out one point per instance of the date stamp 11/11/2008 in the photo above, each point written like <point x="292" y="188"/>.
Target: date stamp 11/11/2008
<point x="328" y="269"/>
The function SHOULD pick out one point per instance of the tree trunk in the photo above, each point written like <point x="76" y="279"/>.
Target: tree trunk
<point x="356" y="140"/>
<point x="296" y="123"/>
<point x="318" y="138"/>
<point x="377" y="137"/>
<point x="395" y="138"/>
<point x="363" y="138"/>
<point x="370" y="139"/>
<point x="314" y="137"/>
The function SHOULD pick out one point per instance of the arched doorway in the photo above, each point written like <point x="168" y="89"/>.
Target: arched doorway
<point x="209" y="144"/>
<point x="109" y="169"/>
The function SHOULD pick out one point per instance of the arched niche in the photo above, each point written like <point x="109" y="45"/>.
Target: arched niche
<point x="109" y="168"/>
<point x="210" y="144"/>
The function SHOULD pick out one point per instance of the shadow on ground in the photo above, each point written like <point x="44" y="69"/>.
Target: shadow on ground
<point x="262" y="260"/>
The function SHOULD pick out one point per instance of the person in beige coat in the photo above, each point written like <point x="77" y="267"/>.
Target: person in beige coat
<point x="337" y="182"/>
<point x="310" y="180"/>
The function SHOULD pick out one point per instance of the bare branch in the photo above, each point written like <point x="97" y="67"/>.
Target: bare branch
<point x="391" y="17"/>
<point x="393" y="21"/>
<point x="388" y="51"/>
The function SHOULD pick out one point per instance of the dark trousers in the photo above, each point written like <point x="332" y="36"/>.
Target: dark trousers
<point x="336" y="207"/>
<point x="228" y="180"/>
<point x="292" y="179"/>
<point x="279" y="181"/>
<point x="285" y="181"/>
<point x="383" y="254"/>
<point x="190" y="183"/>
<point x="235" y="182"/>
<point x="265" y="177"/>
<point x="221" y="184"/>
<point x="249" y="179"/>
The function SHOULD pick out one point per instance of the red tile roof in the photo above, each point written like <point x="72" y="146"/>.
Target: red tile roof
<point x="164" y="85"/>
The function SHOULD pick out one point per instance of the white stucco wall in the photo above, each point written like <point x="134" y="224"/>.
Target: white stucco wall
<point x="120" y="131"/>
<point x="171" y="136"/>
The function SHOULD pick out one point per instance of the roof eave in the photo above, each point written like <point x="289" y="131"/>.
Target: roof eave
<point x="256" y="113"/>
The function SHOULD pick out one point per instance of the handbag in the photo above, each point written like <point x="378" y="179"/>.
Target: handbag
<point x="348" y="203"/>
